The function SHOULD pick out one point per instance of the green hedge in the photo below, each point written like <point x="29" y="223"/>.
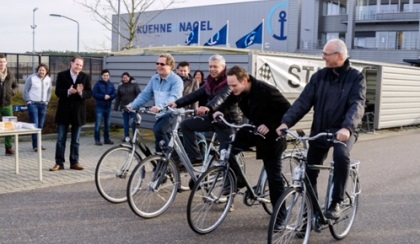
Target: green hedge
<point x="50" y="126"/>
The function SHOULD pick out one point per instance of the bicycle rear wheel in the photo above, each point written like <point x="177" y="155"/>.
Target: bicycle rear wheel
<point x="268" y="207"/>
<point x="210" y="200"/>
<point x="291" y="218"/>
<point x="112" y="173"/>
<point x="152" y="186"/>
<point x="341" y="227"/>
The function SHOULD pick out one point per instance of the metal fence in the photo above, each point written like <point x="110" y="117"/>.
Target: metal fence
<point x="23" y="65"/>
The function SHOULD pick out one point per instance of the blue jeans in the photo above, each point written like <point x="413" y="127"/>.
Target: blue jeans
<point x="37" y="113"/>
<point x="60" y="148"/>
<point x="162" y="129"/>
<point x="126" y="120"/>
<point x="105" y="115"/>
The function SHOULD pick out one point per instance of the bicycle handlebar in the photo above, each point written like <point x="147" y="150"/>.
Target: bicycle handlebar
<point x="253" y="127"/>
<point x="311" y="138"/>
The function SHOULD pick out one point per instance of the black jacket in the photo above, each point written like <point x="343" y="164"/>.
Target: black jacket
<point x="232" y="112"/>
<point x="71" y="109"/>
<point x="338" y="97"/>
<point x="263" y="104"/>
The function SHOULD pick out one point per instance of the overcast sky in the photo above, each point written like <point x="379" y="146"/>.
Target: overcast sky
<point x="59" y="34"/>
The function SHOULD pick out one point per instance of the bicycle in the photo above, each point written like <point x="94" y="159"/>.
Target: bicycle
<point x="302" y="210"/>
<point x="213" y="193"/>
<point x="155" y="181"/>
<point x="116" y="163"/>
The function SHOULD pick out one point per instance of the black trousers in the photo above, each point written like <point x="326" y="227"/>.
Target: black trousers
<point x="317" y="153"/>
<point x="271" y="159"/>
<point x="202" y="124"/>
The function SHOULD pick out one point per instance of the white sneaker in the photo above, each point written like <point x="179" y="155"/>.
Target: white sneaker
<point x="127" y="139"/>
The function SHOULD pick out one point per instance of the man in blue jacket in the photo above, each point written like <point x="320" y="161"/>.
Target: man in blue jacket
<point x="164" y="86"/>
<point x="337" y="94"/>
<point x="104" y="92"/>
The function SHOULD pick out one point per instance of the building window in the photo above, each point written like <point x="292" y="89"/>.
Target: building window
<point x="334" y="7"/>
<point x="331" y="35"/>
<point x="366" y="10"/>
<point x="409" y="40"/>
<point x="386" y="40"/>
<point x="365" y="39"/>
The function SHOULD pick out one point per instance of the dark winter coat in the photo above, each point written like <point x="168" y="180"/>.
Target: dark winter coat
<point x="215" y="96"/>
<point x="9" y="88"/>
<point x="126" y="93"/>
<point x="102" y="88"/>
<point x="263" y="104"/>
<point x="338" y="97"/>
<point x="71" y="109"/>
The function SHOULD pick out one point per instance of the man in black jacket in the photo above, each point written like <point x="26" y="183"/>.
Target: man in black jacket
<point x="215" y="89"/>
<point x="337" y="94"/>
<point x="263" y="105"/>
<point x="72" y="88"/>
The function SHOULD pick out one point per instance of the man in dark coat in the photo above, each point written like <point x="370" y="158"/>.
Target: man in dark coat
<point x="337" y="94"/>
<point x="263" y="105"/>
<point x="73" y="87"/>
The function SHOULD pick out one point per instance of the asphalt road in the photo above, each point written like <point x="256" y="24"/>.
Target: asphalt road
<point x="75" y="213"/>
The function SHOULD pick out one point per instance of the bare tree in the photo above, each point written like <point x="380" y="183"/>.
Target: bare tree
<point x="125" y="28"/>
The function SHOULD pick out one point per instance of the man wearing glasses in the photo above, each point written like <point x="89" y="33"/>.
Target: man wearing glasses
<point x="163" y="87"/>
<point x="337" y="94"/>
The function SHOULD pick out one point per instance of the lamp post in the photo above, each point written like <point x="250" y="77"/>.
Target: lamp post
<point x="33" y="26"/>
<point x="62" y="16"/>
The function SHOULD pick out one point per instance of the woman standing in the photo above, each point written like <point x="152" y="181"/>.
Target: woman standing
<point x="127" y="91"/>
<point x="37" y="94"/>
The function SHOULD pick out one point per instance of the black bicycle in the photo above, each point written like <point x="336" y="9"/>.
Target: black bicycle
<point x="299" y="210"/>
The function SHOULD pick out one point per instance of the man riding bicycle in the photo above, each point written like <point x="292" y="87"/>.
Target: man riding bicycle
<point x="337" y="93"/>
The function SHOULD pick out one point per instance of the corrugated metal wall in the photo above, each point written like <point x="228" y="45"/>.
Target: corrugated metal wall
<point x="399" y="101"/>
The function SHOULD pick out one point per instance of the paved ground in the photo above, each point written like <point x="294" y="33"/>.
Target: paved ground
<point x="27" y="179"/>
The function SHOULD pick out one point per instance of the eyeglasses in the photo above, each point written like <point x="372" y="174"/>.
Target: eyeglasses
<point x="161" y="64"/>
<point x="328" y="54"/>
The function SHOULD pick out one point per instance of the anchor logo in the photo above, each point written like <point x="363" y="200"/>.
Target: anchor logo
<point x="212" y="41"/>
<point x="281" y="19"/>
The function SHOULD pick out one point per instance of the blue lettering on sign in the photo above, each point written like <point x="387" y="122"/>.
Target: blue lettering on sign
<point x="281" y="19"/>
<point x="169" y="27"/>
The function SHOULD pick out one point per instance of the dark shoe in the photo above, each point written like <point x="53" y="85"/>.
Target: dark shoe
<point x="9" y="152"/>
<point x="76" y="166"/>
<point x="334" y="211"/>
<point x="43" y="148"/>
<point x="279" y="225"/>
<point x="109" y="142"/>
<point x="57" y="167"/>
<point x="98" y="143"/>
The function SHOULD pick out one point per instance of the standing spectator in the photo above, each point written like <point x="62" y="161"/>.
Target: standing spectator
<point x="183" y="70"/>
<point x="337" y="94"/>
<point x="8" y="88"/>
<point x="37" y="94"/>
<point x="104" y="92"/>
<point x="73" y="87"/>
<point x="199" y="78"/>
<point x="163" y="87"/>
<point x="127" y="91"/>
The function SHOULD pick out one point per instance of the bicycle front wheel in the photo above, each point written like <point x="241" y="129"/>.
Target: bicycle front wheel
<point x="288" y="163"/>
<point x="152" y="186"/>
<point x="112" y="173"/>
<point x="340" y="228"/>
<point x="290" y="221"/>
<point x="210" y="200"/>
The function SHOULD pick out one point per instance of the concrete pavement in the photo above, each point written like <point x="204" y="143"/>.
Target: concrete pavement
<point x="27" y="179"/>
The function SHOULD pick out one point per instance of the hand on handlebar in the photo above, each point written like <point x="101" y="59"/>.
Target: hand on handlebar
<point x="155" y="109"/>
<point x="281" y="130"/>
<point x="203" y="110"/>
<point x="171" y="104"/>
<point x="342" y="135"/>
<point x="216" y="115"/>
<point x="263" y="129"/>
